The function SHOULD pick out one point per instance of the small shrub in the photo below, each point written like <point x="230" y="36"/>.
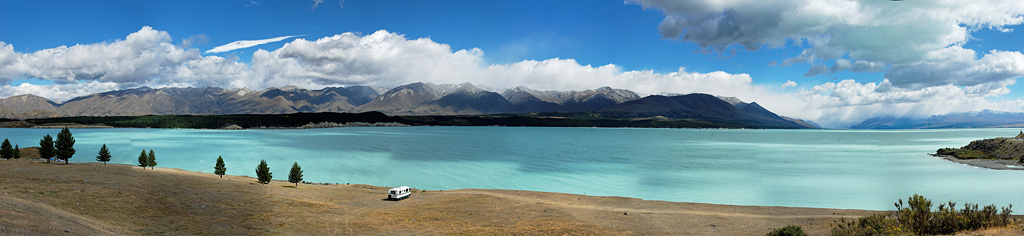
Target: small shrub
<point x="789" y="230"/>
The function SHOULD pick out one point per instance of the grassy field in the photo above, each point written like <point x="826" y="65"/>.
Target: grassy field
<point x="95" y="199"/>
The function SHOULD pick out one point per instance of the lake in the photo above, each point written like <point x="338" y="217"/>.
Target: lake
<point x="861" y="169"/>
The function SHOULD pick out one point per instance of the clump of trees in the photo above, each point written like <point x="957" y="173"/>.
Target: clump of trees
<point x="7" y="152"/>
<point x="295" y="175"/>
<point x="147" y="160"/>
<point x="62" y="149"/>
<point x="263" y="173"/>
<point x="917" y="217"/>
<point x="103" y="155"/>
<point x="219" y="169"/>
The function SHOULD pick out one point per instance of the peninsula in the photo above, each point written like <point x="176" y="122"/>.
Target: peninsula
<point x="996" y="153"/>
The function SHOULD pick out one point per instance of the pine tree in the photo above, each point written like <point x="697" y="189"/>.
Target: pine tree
<point x="151" y="159"/>
<point x="46" y="149"/>
<point x="6" y="151"/>
<point x="104" y="155"/>
<point x="17" y="152"/>
<point x="143" y="159"/>
<point x="263" y="173"/>
<point x="65" y="145"/>
<point x="295" y="175"/>
<point x="219" y="169"/>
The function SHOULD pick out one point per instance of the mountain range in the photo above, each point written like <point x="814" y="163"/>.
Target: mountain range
<point x="978" y="119"/>
<point x="416" y="99"/>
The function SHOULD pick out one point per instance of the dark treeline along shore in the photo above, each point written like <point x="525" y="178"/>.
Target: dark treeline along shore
<point x="329" y="119"/>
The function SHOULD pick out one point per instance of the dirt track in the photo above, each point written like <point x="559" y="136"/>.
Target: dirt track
<point x="91" y="198"/>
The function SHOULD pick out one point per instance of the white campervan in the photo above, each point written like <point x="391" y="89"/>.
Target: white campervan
<point x="399" y="193"/>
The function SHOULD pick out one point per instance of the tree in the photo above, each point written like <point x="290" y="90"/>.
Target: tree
<point x="17" y="152"/>
<point x="219" y="169"/>
<point x="65" y="145"/>
<point x="295" y="175"/>
<point x="143" y="159"/>
<point x="263" y="173"/>
<point x="6" y="151"/>
<point x="104" y="155"/>
<point x="151" y="159"/>
<point x="46" y="149"/>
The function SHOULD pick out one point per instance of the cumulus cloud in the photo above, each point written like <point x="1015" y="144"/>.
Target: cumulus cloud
<point x="247" y="44"/>
<point x="146" y="57"/>
<point x="861" y="36"/>
<point x="137" y="57"/>
<point x="387" y="59"/>
<point x="959" y="67"/>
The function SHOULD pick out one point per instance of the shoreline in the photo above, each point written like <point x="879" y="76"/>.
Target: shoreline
<point x="122" y="198"/>
<point x="992" y="164"/>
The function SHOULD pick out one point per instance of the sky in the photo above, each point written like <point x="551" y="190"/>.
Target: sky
<point x="835" y="62"/>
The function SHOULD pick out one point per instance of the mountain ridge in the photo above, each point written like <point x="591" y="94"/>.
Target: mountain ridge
<point x="415" y="99"/>
<point x="977" y="119"/>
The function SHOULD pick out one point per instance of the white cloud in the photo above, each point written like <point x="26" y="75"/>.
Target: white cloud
<point x="789" y="83"/>
<point x="861" y="35"/>
<point x="959" y="67"/>
<point x="247" y="44"/>
<point x="316" y="3"/>
<point x="136" y="58"/>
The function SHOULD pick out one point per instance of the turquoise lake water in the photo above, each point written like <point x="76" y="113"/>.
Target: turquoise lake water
<point x="861" y="169"/>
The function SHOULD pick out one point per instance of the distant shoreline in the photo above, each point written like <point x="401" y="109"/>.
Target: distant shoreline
<point x="993" y="164"/>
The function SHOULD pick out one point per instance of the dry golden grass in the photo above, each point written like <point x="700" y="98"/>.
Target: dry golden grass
<point x="92" y="198"/>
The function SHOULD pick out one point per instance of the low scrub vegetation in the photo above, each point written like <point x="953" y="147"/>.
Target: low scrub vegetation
<point x="917" y="218"/>
<point x="789" y="230"/>
<point x="962" y="153"/>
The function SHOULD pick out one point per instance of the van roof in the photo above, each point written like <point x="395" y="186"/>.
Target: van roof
<point x="399" y="188"/>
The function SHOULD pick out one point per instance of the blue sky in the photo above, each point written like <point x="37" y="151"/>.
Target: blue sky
<point x="592" y="32"/>
<point x="911" y="63"/>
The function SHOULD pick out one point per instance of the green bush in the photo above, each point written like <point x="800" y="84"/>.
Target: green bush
<point x="917" y="217"/>
<point x="789" y="230"/>
<point x="870" y="225"/>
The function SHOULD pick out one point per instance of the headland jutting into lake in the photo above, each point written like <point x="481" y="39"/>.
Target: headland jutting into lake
<point x="995" y="153"/>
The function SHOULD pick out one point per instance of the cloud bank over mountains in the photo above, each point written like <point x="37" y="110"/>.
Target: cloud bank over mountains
<point x="919" y="40"/>
<point x="918" y="46"/>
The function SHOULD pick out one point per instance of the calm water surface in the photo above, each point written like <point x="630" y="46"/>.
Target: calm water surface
<point x="863" y="169"/>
